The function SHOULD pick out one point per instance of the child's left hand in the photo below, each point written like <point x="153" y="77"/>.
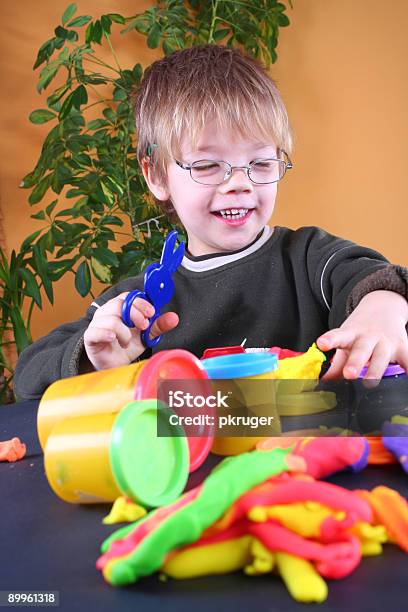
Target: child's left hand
<point x="374" y="333"/>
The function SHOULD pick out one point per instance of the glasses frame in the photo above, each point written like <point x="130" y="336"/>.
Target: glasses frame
<point x="287" y="166"/>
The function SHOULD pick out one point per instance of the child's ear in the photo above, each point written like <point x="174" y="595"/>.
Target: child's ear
<point x="159" y="190"/>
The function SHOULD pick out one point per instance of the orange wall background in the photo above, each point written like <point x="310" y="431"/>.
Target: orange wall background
<point x="342" y="71"/>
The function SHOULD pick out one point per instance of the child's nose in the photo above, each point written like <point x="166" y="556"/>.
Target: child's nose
<point x="238" y="181"/>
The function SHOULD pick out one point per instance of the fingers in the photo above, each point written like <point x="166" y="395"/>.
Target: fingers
<point x="336" y="369"/>
<point x="107" y="323"/>
<point x="359" y="354"/>
<point x="402" y="357"/>
<point x="336" y="338"/>
<point x="140" y="311"/>
<point x="379" y="361"/>
<point x="106" y="329"/>
<point x="164" y="323"/>
<point x="356" y="352"/>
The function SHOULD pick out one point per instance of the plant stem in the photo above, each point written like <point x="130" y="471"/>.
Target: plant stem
<point x="96" y="60"/>
<point x="214" y="6"/>
<point x="113" y="52"/>
<point x="30" y="312"/>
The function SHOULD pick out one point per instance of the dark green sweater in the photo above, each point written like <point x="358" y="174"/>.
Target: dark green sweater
<point x="285" y="289"/>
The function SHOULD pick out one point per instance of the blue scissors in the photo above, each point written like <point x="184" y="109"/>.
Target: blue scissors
<point x="158" y="286"/>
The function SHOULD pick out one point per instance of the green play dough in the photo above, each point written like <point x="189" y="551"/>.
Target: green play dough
<point x="226" y="483"/>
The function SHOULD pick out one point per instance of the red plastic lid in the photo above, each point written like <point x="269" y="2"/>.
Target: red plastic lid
<point x="177" y="364"/>
<point x="222" y="350"/>
<point x="284" y="353"/>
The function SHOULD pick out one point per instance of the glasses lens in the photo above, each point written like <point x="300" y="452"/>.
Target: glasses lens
<point x="267" y="170"/>
<point x="209" y="172"/>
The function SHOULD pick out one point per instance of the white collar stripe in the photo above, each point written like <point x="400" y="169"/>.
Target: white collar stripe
<point x="216" y="262"/>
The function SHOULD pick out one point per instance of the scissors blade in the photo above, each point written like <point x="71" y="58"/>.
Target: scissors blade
<point x="168" y="248"/>
<point x="177" y="258"/>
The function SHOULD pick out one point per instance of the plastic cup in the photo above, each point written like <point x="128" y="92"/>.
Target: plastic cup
<point x="258" y="399"/>
<point x="104" y="391"/>
<point x="98" y="457"/>
<point x="107" y="391"/>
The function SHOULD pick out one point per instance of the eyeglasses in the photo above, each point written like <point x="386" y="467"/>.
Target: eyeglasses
<point x="260" y="171"/>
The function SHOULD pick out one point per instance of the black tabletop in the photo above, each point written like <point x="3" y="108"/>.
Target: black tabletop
<point x="49" y="545"/>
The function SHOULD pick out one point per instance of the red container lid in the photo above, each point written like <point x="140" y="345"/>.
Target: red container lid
<point x="222" y="350"/>
<point x="177" y="364"/>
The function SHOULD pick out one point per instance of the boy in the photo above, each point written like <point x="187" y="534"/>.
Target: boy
<point x="213" y="142"/>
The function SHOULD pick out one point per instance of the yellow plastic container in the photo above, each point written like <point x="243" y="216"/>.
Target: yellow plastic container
<point x="99" y="457"/>
<point x="107" y="391"/>
<point x="104" y="391"/>
<point x="239" y="369"/>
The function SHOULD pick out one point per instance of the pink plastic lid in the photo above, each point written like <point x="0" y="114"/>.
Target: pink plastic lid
<point x="177" y="364"/>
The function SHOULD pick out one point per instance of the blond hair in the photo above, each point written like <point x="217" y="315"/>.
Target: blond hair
<point x="180" y="93"/>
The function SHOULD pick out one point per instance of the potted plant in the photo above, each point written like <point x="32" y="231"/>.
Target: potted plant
<point x="88" y="162"/>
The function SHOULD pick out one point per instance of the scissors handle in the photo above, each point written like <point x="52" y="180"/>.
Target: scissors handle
<point x="127" y="305"/>
<point x="147" y="341"/>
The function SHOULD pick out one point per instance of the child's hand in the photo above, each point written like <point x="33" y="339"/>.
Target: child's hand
<point x="374" y="332"/>
<point x="109" y="343"/>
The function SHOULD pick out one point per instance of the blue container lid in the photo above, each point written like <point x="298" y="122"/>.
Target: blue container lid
<point x="240" y="365"/>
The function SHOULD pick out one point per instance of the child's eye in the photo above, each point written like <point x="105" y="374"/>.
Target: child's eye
<point x="205" y="166"/>
<point x="266" y="164"/>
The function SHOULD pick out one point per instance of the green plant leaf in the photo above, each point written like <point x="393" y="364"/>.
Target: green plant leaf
<point x="31" y="287"/>
<point x="51" y="207"/>
<point x="61" y="32"/>
<point x="39" y="190"/>
<point x="57" y="269"/>
<point x="283" y="20"/>
<point x="44" y="53"/>
<point x="153" y="39"/>
<point x="72" y="35"/>
<point x="117" y="18"/>
<point x="47" y="240"/>
<point x="106" y="24"/>
<point x="97" y="32"/>
<point x="137" y="72"/>
<point x="41" y="264"/>
<point x="19" y="330"/>
<point x="80" y="96"/>
<point x="41" y="115"/>
<point x="83" y="279"/>
<point x="112" y="220"/>
<point x="68" y="13"/>
<point x="66" y="107"/>
<point x="220" y="34"/>
<point x="57" y="95"/>
<point x="101" y="272"/>
<point x="46" y="75"/>
<point x="79" y="21"/>
<point x="89" y="33"/>
<point x="27" y="241"/>
<point x="106" y="256"/>
<point x="109" y="114"/>
<point x="39" y="216"/>
<point x="96" y="124"/>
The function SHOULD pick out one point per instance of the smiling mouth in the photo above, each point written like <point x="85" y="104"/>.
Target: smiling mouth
<point x="233" y="213"/>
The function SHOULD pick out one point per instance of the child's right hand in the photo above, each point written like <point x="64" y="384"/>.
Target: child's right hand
<point x="109" y="343"/>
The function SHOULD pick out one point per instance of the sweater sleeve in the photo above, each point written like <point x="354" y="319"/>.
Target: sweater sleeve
<point x="342" y="272"/>
<point x="60" y="353"/>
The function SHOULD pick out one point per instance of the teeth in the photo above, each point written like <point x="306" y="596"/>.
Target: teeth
<point x="234" y="212"/>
